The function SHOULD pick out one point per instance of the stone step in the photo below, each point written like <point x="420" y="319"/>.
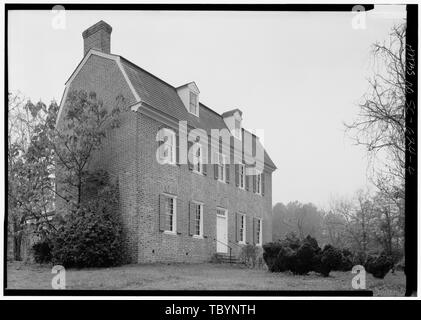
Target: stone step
<point x="226" y="259"/>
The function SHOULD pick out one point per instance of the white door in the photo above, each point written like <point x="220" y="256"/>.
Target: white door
<point x="221" y="234"/>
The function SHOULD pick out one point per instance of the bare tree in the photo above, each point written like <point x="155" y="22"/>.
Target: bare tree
<point x="380" y="125"/>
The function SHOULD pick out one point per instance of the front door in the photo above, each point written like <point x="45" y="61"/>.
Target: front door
<point x="222" y="233"/>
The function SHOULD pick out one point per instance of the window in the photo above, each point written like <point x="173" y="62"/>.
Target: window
<point x="170" y="214"/>
<point x="259" y="183"/>
<point x="221" y="166"/>
<point x="193" y="103"/>
<point x="198" y="220"/>
<point x="197" y="159"/>
<point x="168" y="148"/>
<point x="242" y="231"/>
<point x="259" y="232"/>
<point x="241" y="176"/>
<point x="221" y="212"/>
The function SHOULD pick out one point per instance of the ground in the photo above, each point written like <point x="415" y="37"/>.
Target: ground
<point x="205" y="276"/>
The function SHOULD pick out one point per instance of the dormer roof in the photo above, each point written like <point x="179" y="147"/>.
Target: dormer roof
<point x="231" y="112"/>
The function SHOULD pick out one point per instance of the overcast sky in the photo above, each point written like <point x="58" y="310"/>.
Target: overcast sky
<point x="298" y="76"/>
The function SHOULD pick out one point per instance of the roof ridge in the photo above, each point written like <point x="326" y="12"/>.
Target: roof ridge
<point x="149" y="73"/>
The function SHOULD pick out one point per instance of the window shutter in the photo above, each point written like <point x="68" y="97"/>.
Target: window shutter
<point x="263" y="183"/>
<point x="227" y="173"/>
<point x="192" y="207"/>
<point x="189" y="145"/>
<point x="261" y="229"/>
<point x="254" y="182"/>
<point x="162" y="212"/>
<point x="237" y="174"/>
<point x="249" y="230"/>
<point x="247" y="182"/>
<point x="177" y="149"/>
<point x="180" y="221"/>
<point x="207" y="221"/>
<point x="237" y="226"/>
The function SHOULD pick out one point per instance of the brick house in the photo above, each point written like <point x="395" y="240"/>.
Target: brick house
<point x="183" y="212"/>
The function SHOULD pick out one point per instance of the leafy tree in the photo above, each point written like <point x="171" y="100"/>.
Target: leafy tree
<point x="30" y="182"/>
<point x="79" y="135"/>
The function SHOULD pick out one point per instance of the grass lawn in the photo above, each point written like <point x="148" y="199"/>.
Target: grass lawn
<point x="205" y="276"/>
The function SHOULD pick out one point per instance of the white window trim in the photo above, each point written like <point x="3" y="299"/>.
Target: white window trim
<point x="173" y="150"/>
<point x="200" y="161"/>
<point x="174" y="217"/>
<point x="244" y="229"/>
<point x="197" y="103"/>
<point x="243" y="177"/>
<point x="199" y="236"/>
<point x="260" y="232"/>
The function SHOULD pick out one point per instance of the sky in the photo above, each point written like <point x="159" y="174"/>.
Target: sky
<point x="296" y="75"/>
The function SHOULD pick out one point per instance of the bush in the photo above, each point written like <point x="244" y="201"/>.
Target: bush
<point x="331" y="260"/>
<point x="42" y="251"/>
<point x="379" y="265"/>
<point x="304" y="256"/>
<point x="249" y="255"/>
<point x="270" y="255"/>
<point x="91" y="235"/>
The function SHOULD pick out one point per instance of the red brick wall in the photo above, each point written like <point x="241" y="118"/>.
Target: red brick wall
<point x="187" y="186"/>
<point x="129" y="155"/>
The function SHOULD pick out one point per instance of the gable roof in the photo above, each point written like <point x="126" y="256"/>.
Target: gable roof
<point x="164" y="97"/>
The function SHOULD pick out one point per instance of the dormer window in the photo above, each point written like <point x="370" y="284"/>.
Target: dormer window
<point x="194" y="106"/>
<point x="189" y="95"/>
<point x="233" y="120"/>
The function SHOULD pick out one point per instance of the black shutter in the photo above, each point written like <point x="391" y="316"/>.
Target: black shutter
<point x="162" y="212"/>
<point x="192" y="212"/>
<point x="247" y="182"/>
<point x="255" y="224"/>
<point x="263" y="183"/>
<point x="215" y="166"/>
<point x="177" y="149"/>
<point x="237" y="226"/>
<point x="237" y="174"/>
<point x="208" y="220"/>
<point x="254" y="182"/>
<point x="249" y="229"/>
<point x="227" y="173"/>
<point x="180" y="226"/>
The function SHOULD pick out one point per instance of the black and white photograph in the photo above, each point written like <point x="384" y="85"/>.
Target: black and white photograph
<point x="210" y="150"/>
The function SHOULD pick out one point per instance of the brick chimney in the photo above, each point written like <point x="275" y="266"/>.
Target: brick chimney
<point x="97" y="37"/>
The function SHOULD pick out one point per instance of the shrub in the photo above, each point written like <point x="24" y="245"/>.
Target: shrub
<point x="292" y="241"/>
<point x="270" y="255"/>
<point x="379" y="265"/>
<point x="304" y="259"/>
<point x="42" y="251"/>
<point x="91" y="235"/>
<point x="249" y="255"/>
<point x="331" y="259"/>
<point x="304" y="256"/>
